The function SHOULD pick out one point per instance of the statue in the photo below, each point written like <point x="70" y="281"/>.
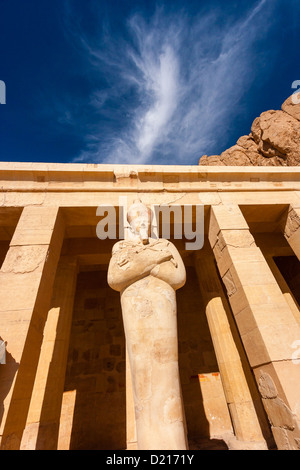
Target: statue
<point x="147" y="272"/>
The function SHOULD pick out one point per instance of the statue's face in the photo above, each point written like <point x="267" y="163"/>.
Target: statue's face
<point x="139" y="219"/>
<point x="140" y="226"/>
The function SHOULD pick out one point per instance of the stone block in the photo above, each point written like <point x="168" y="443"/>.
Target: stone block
<point x="25" y="259"/>
<point x="270" y="343"/>
<point x="293" y="222"/>
<point x="36" y="226"/>
<point x="286" y="378"/>
<point x="292" y="229"/>
<point x="24" y="288"/>
<point x="231" y="255"/>
<point x="264" y="294"/>
<point x="225" y="217"/>
<point x="235" y="239"/>
<point x="263" y="315"/>
<point x="279" y="387"/>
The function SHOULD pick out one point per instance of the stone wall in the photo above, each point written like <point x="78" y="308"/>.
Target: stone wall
<point x="96" y="366"/>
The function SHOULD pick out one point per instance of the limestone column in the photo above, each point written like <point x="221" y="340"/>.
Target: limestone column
<point x="42" y="426"/>
<point x="66" y="420"/>
<point x="26" y="282"/>
<point x="147" y="273"/>
<point x="241" y="394"/>
<point x="266" y="324"/>
<point x="292" y="229"/>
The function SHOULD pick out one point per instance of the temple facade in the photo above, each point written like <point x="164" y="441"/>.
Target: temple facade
<point x="69" y="379"/>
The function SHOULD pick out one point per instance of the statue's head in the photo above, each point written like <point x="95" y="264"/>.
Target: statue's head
<point x="139" y="218"/>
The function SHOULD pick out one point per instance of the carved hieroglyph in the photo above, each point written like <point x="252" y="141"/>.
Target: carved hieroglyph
<point x="147" y="272"/>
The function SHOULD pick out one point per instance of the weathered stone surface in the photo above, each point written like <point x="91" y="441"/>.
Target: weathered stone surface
<point x="93" y="414"/>
<point x="274" y="141"/>
<point x="292" y="229"/>
<point x="267" y="326"/>
<point x="277" y="134"/>
<point x="235" y="375"/>
<point x="27" y="277"/>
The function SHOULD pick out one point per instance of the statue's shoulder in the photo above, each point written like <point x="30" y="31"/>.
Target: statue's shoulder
<point x="160" y="242"/>
<point x="156" y="241"/>
<point x="124" y="245"/>
<point x="120" y="246"/>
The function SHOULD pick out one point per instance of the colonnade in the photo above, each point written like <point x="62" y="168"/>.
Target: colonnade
<point x="37" y="287"/>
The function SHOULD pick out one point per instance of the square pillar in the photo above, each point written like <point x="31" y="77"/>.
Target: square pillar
<point x="266" y="324"/>
<point x="292" y="229"/>
<point x="26" y="281"/>
<point x="247" y="415"/>
<point x="43" y="420"/>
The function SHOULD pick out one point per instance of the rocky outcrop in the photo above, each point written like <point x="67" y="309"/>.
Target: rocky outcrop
<point x="274" y="141"/>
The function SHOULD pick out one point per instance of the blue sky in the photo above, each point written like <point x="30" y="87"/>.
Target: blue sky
<point x="141" y="82"/>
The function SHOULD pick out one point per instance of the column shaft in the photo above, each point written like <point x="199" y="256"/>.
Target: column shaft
<point x="265" y="321"/>
<point x="241" y="393"/>
<point x="26" y="281"/>
<point x="42" y="426"/>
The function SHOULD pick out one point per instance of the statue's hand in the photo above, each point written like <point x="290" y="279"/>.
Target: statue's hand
<point x="173" y="271"/>
<point x="133" y="261"/>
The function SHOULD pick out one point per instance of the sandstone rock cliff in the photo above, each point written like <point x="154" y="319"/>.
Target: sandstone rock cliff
<point x="274" y="141"/>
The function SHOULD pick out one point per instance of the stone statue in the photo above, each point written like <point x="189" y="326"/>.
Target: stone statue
<point x="147" y="272"/>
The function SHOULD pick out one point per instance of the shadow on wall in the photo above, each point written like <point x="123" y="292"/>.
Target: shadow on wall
<point x="289" y="267"/>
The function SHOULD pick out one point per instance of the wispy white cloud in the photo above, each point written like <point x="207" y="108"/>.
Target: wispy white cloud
<point x="171" y="85"/>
